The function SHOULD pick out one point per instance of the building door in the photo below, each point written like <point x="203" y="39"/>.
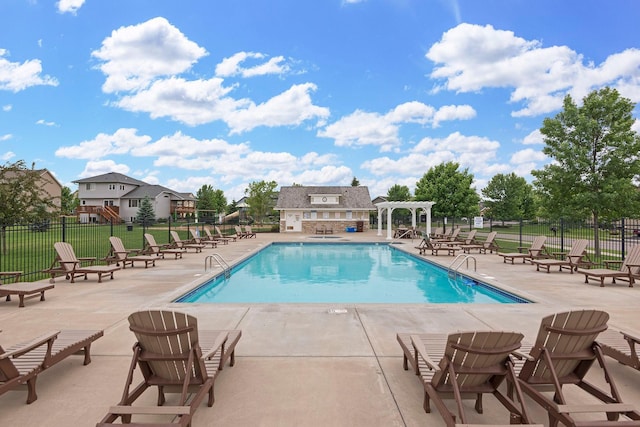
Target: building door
<point x="294" y="222"/>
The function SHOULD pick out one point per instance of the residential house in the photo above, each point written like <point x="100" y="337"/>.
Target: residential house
<point x="117" y="197"/>
<point x="50" y="187"/>
<point x="307" y="209"/>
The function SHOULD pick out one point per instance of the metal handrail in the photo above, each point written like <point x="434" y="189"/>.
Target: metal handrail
<point x="208" y="261"/>
<point x="458" y="261"/>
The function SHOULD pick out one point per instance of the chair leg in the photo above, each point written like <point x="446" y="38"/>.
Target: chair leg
<point x="31" y="390"/>
<point x="161" y="398"/>
<point x="426" y="404"/>
<point x="479" y="403"/>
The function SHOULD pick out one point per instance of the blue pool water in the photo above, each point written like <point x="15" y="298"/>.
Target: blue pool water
<point x="342" y="273"/>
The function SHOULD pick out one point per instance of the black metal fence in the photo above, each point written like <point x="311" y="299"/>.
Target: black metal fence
<point x="610" y="241"/>
<point x="29" y="248"/>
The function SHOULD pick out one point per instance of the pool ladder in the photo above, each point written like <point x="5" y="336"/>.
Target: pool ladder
<point x="457" y="262"/>
<point x="208" y="262"/>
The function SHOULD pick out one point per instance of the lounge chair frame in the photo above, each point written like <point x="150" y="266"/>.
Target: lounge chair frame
<point x="24" y="291"/>
<point x="169" y="355"/>
<point x="152" y="248"/>
<point x="21" y="363"/>
<point x="571" y="261"/>
<point x="627" y="271"/>
<point x="536" y="251"/>
<point x="465" y="365"/>
<point x="185" y="245"/>
<point x="564" y="352"/>
<point x="621" y="346"/>
<point x="71" y="266"/>
<point x="118" y="254"/>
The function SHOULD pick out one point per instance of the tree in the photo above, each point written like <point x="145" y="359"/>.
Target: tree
<point x="210" y="201"/>
<point x="450" y="189"/>
<point x="69" y="202"/>
<point x="22" y="199"/>
<point x="595" y="160"/>
<point x="146" y="215"/>
<point x="398" y="193"/>
<point x="509" y="197"/>
<point x="260" y="198"/>
<point x="355" y="182"/>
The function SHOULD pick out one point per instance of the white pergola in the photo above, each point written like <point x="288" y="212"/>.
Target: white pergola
<point x="412" y="206"/>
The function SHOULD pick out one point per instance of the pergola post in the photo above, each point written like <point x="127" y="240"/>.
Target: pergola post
<point x="412" y="206"/>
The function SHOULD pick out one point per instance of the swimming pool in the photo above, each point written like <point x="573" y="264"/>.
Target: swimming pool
<point x="342" y="273"/>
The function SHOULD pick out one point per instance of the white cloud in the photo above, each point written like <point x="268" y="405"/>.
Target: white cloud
<point x="291" y="107"/>
<point x="45" y="123"/>
<point x="472" y="57"/>
<point x="69" y="6"/>
<point x="16" y="77"/>
<point x="134" y="56"/>
<point x="7" y="107"/>
<point x="94" y="168"/>
<point x="636" y="126"/>
<point x="534" y="137"/>
<point x="365" y="128"/>
<point x="122" y="141"/>
<point x="232" y="66"/>
<point x="7" y="156"/>
<point x="453" y="112"/>
<point x="527" y="156"/>
<point x="191" y="102"/>
<point x="458" y="143"/>
<point x="6" y="137"/>
<point x="362" y="128"/>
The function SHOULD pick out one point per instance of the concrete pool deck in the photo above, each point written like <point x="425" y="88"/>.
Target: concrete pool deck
<point x="296" y="364"/>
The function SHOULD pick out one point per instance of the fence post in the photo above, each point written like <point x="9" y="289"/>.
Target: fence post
<point x="622" y="237"/>
<point x="520" y="233"/>
<point x="64" y="228"/>
<point x="111" y="226"/>
<point x="561" y="234"/>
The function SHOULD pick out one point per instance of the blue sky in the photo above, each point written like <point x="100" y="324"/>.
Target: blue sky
<point x="193" y="92"/>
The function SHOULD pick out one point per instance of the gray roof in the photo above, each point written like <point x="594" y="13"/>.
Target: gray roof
<point x="296" y="197"/>
<point x="153" y="191"/>
<point x="114" y="177"/>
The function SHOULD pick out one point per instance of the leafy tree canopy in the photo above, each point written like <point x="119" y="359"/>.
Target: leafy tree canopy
<point x="595" y="159"/>
<point x="450" y="189"/>
<point x="509" y="197"/>
<point x="22" y="199"/>
<point x="69" y="201"/>
<point x="211" y="200"/>
<point x="355" y="182"/>
<point x="261" y="198"/>
<point x="398" y="193"/>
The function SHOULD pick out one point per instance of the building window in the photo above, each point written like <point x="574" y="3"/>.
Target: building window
<point x="349" y="215"/>
<point x="112" y="186"/>
<point x="325" y="215"/>
<point x="133" y="203"/>
<point x="122" y="187"/>
<point x="314" y="215"/>
<point x="337" y="215"/>
<point x="90" y="186"/>
<point x="306" y="215"/>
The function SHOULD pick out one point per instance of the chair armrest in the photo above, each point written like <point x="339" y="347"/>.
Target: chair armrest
<point x="630" y="337"/>
<point x="217" y="345"/>
<point x="608" y="262"/>
<point x="35" y="343"/>
<point x="422" y="352"/>
<point x="559" y="255"/>
<point x="520" y="355"/>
